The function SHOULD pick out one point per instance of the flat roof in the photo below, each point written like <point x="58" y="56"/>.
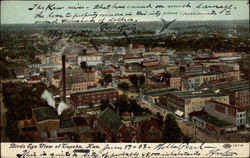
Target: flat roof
<point x="94" y="91"/>
<point x="197" y="94"/>
<point x="160" y="91"/>
<point x="236" y="86"/>
<point x="210" y="119"/>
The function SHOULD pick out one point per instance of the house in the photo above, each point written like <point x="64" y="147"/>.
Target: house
<point x="149" y="129"/>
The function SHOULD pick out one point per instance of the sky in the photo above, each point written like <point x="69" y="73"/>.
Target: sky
<point x="17" y="12"/>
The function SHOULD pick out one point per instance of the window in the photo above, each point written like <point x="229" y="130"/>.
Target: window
<point x="53" y="134"/>
<point x="44" y="134"/>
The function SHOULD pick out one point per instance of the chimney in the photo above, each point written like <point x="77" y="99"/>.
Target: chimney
<point x="63" y="79"/>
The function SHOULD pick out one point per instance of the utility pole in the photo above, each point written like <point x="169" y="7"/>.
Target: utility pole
<point x="194" y="133"/>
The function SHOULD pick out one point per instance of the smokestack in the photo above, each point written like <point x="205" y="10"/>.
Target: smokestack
<point x="63" y="78"/>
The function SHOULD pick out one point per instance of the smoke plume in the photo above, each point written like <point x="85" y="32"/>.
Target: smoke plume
<point x="61" y="107"/>
<point x="49" y="98"/>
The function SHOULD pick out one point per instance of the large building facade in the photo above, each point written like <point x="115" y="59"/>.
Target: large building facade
<point x="94" y="96"/>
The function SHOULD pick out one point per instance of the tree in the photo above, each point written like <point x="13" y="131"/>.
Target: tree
<point x="104" y="104"/>
<point x="83" y="65"/>
<point x="141" y="80"/>
<point x="171" y="132"/>
<point x="102" y="82"/>
<point x="107" y="78"/>
<point x="122" y="103"/>
<point x="123" y="86"/>
<point x="134" y="80"/>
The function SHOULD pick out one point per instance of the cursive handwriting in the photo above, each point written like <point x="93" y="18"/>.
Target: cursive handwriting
<point x="219" y="153"/>
<point x="110" y="28"/>
<point x="135" y="150"/>
<point x="96" y="12"/>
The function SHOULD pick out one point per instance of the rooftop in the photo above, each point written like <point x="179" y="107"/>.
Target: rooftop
<point x="213" y="120"/>
<point x="110" y="119"/>
<point x="160" y="91"/>
<point x="236" y="86"/>
<point x="67" y="123"/>
<point x="196" y="94"/>
<point x="94" y="91"/>
<point x="45" y="113"/>
<point x="228" y="105"/>
<point x="141" y="118"/>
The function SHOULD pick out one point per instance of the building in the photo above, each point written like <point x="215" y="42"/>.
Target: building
<point x="77" y="80"/>
<point x="195" y="81"/>
<point x="208" y="61"/>
<point x="130" y="60"/>
<point x="173" y="81"/>
<point x="164" y="59"/>
<point x="126" y="133"/>
<point x="211" y="124"/>
<point x="90" y="59"/>
<point x="224" y="54"/>
<point x="47" y="122"/>
<point x="149" y="129"/>
<point x="108" y="122"/>
<point x="94" y="96"/>
<point x="50" y="67"/>
<point x="191" y="69"/>
<point x="190" y="101"/>
<point x="224" y="68"/>
<point x="154" y="95"/>
<point x="226" y="112"/>
<point x="238" y="93"/>
<point x="52" y="59"/>
<point x="155" y="81"/>
<point x="28" y="128"/>
<point x="150" y="63"/>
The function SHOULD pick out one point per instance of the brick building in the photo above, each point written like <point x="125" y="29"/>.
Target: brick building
<point x="226" y="112"/>
<point x="238" y="93"/>
<point x="94" y="96"/>
<point x="173" y="81"/>
<point x="150" y="63"/>
<point x="76" y="80"/>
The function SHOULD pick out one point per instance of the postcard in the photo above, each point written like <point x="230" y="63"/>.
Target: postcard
<point x="124" y="79"/>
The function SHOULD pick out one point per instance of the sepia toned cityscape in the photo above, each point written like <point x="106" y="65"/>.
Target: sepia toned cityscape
<point x="163" y="81"/>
